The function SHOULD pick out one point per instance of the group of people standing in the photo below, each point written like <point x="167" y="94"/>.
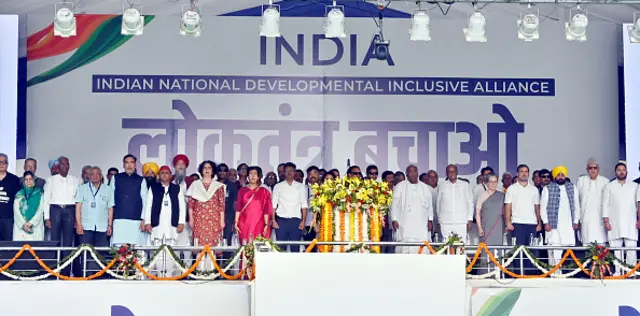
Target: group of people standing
<point x="165" y="206"/>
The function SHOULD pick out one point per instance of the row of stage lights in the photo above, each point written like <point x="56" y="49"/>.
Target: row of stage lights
<point x="191" y="23"/>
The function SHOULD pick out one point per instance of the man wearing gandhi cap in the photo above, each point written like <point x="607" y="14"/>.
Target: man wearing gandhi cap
<point x="150" y="173"/>
<point x="619" y="214"/>
<point x="560" y="212"/>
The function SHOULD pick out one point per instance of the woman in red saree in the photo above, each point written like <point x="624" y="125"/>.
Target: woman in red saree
<point x="253" y="208"/>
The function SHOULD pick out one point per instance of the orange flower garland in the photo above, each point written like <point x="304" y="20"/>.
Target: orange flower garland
<point x="360" y="237"/>
<point x="375" y="228"/>
<point x="326" y="229"/>
<point x="352" y="225"/>
<point x="342" y="230"/>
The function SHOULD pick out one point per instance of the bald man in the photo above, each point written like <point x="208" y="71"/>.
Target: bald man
<point x="411" y="211"/>
<point x="455" y="205"/>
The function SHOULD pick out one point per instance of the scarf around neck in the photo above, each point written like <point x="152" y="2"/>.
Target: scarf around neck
<point x="29" y="199"/>
<point x="201" y="194"/>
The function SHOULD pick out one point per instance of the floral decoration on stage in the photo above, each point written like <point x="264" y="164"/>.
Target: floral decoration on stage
<point x="127" y="258"/>
<point x="602" y="259"/>
<point x="350" y="209"/>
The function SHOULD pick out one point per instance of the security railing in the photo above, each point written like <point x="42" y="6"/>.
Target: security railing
<point x="236" y="263"/>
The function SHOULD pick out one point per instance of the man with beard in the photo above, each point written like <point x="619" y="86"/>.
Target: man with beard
<point x="619" y="214"/>
<point x="560" y="213"/>
<point x="180" y="178"/>
<point x="230" y="196"/>
<point x="299" y="177"/>
<point x="280" y="170"/>
<point x="313" y="174"/>
<point x="522" y="208"/>
<point x="150" y="173"/>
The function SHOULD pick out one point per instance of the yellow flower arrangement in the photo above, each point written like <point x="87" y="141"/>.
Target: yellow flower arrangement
<point x="354" y="192"/>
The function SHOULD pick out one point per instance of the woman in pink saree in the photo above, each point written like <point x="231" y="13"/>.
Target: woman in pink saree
<point x="253" y="208"/>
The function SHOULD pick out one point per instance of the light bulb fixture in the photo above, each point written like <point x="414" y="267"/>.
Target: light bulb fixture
<point x="191" y="22"/>
<point x="576" y="28"/>
<point x="64" y="21"/>
<point x="334" y="25"/>
<point x="132" y="20"/>
<point x="634" y="29"/>
<point x="528" y="26"/>
<point x="270" y="26"/>
<point x="420" y="24"/>
<point x="476" y="29"/>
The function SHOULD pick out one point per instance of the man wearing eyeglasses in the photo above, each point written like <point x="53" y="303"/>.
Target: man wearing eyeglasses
<point x="9" y="186"/>
<point x="372" y="172"/>
<point x="590" y="188"/>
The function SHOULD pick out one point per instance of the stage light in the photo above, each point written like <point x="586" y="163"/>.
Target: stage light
<point x="476" y="30"/>
<point x="528" y="27"/>
<point x="270" y="26"/>
<point x="191" y="22"/>
<point x="64" y="21"/>
<point x="132" y="21"/>
<point x="634" y="29"/>
<point x="334" y="25"/>
<point x="576" y="29"/>
<point x="420" y="23"/>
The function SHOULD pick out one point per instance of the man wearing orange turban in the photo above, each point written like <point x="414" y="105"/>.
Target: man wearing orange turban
<point x="560" y="212"/>
<point x="150" y="173"/>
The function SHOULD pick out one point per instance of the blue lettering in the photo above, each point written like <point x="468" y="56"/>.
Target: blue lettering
<point x="316" y="51"/>
<point x="319" y="44"/>
<point x="627" y="311"/>
<point x="118" y="310"/>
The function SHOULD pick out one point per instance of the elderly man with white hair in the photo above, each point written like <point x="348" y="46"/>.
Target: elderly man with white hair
<point x="590" y="188"/>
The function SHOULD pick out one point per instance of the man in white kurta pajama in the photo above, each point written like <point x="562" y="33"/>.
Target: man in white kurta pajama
<point x="590" y="189"/>
<point x="619" y="214"/>
<point x="560" y="213"/>
<point x="455" y="205"/>
<point x="411" y="211"/>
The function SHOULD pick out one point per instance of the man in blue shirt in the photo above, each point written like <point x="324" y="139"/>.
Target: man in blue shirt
<point x="94" y="210"/>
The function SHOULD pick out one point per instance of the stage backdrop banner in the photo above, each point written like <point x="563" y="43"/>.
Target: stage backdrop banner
<point x="232" y="96"/>
<point x="125" y="298"/>
<point x="611" y="299"/>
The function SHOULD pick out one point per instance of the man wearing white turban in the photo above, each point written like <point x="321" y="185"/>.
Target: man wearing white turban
<point x="560" y="212"/>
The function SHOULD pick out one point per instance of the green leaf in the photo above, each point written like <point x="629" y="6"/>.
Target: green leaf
<point x="500" y="304"/>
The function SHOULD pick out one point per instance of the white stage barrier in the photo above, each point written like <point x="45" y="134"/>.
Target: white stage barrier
<point x="124" y="298"/>
<point x="291" y="284"/>
<point x="393" y="289"/>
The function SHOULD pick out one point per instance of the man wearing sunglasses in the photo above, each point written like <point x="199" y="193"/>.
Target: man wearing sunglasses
<point x="372" y="172"/>
<point x="354" y="172"/>
<point x="545" y="179"/>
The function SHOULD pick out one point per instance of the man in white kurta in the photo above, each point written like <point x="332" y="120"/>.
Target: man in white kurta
<point x="411" y="211"/>
<point x="455" y="205"/>
<point x="590" y="189"/>
<point x="619" y="214"/>
<point x="432" y="185"/>
<point x="560" y="213"/>
<point x="164" y="219"/>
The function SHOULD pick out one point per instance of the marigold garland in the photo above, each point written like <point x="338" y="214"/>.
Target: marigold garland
<point x="342" y="232"/>
<point x="352" y="225"/>
<point x="360" y="236"/>
<point x="375" y="228"/>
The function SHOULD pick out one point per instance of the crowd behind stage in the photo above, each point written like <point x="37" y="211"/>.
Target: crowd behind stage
<point x="219" y="205"/>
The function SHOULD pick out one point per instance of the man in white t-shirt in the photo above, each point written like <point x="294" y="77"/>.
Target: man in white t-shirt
<point x="522" y="208"/>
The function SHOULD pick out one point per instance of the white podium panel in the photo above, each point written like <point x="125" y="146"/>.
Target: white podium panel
<point x="310" y="284"/>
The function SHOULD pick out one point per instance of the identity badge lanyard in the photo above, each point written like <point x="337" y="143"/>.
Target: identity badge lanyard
<point x="166" y="198"/>
<point x="93" y="203"/>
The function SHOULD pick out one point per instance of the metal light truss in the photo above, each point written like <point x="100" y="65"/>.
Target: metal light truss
<point x="572" y="2"/>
